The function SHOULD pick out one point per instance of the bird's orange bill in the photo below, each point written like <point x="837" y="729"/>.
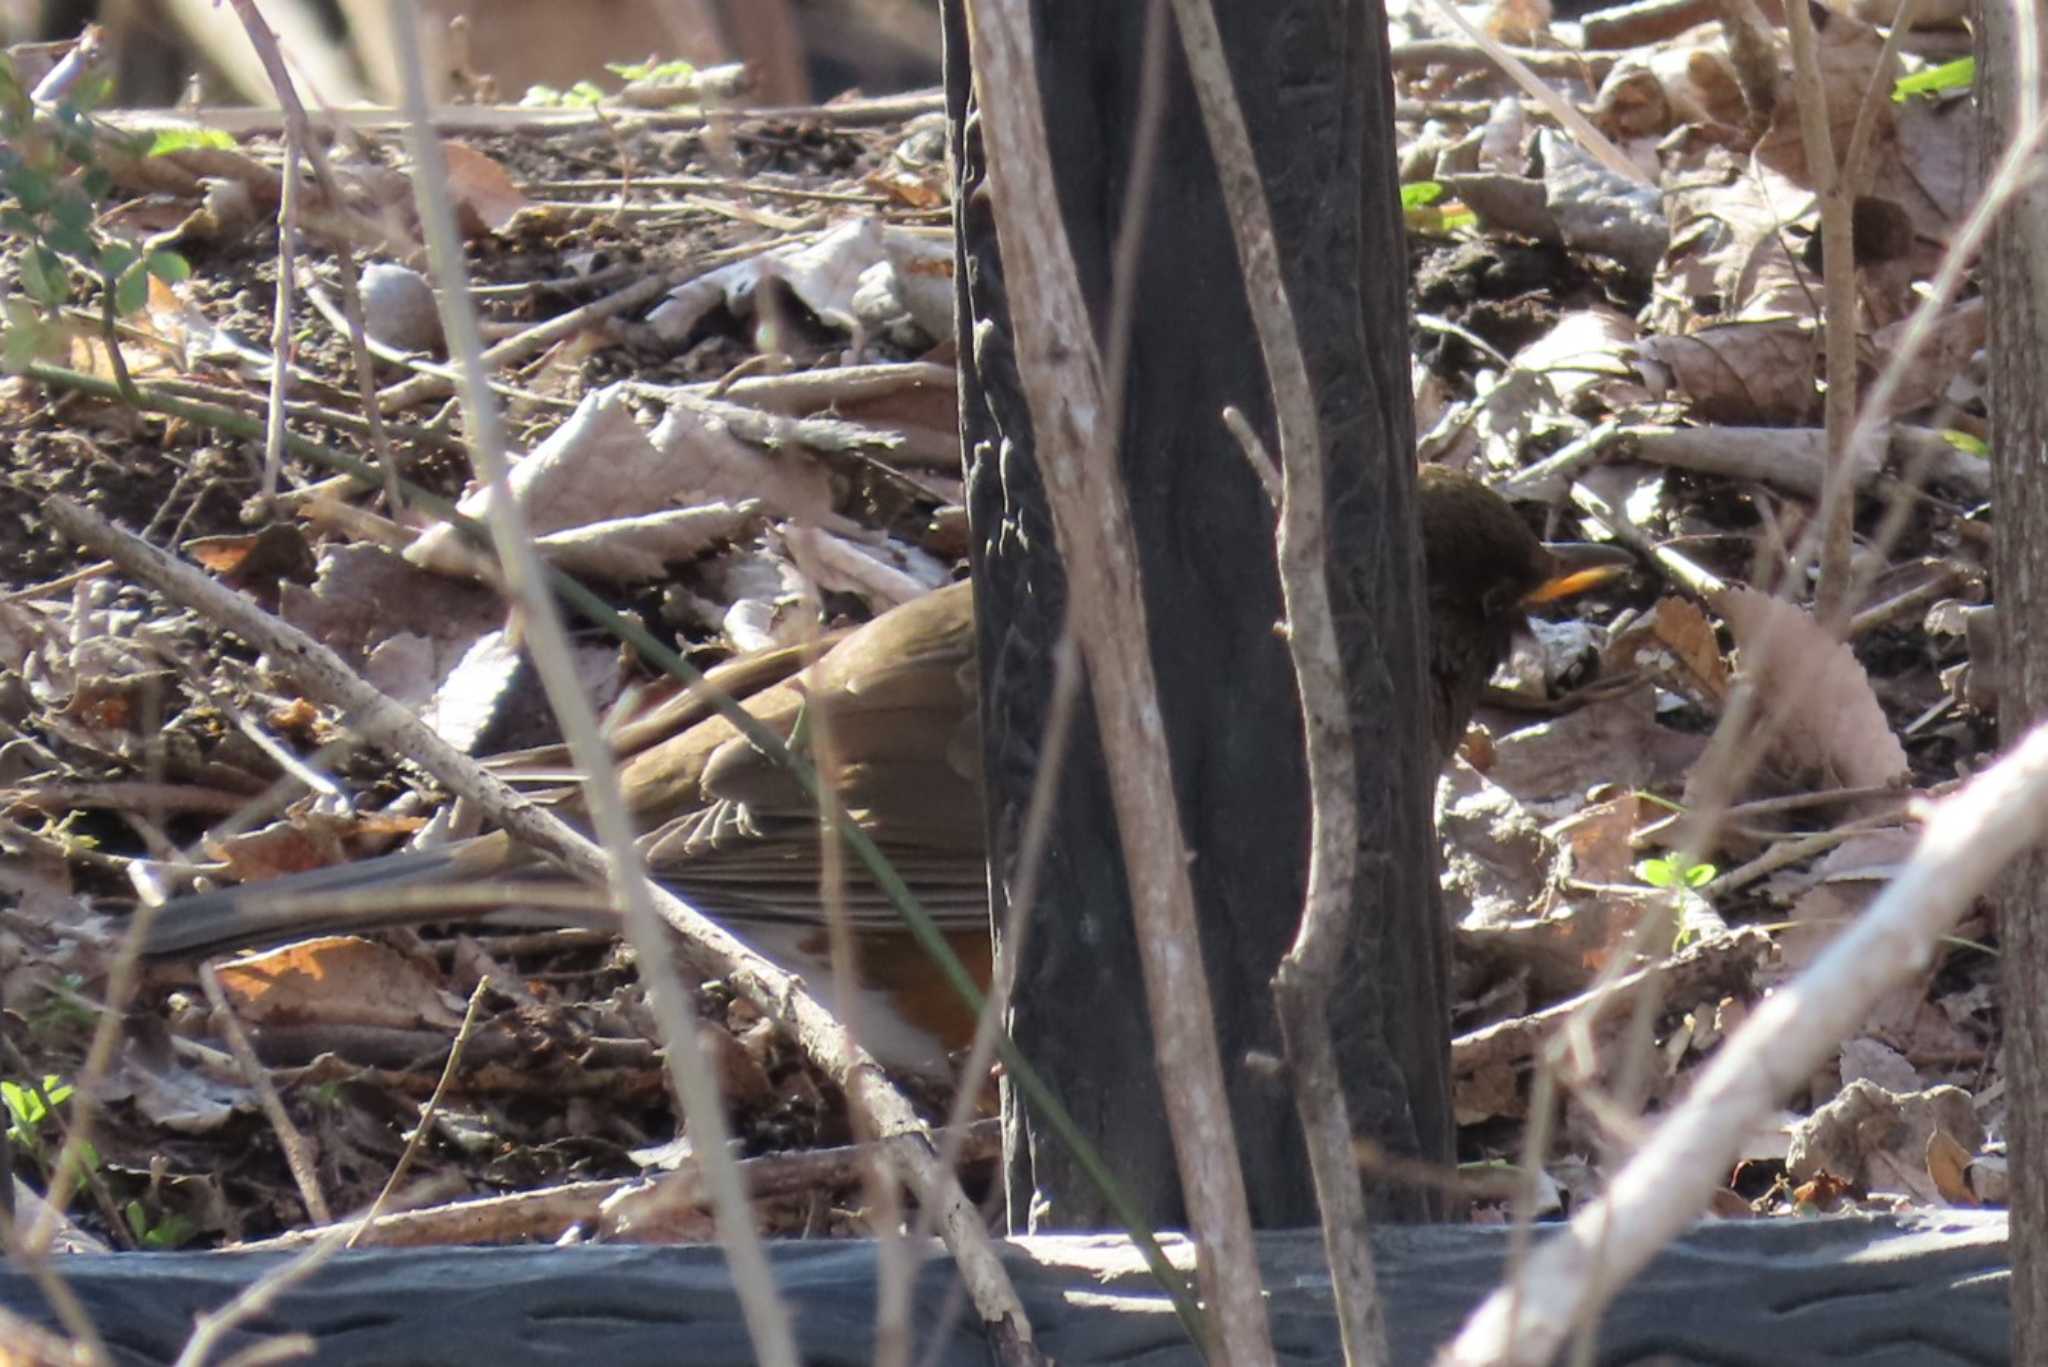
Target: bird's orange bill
<point x="1579" y="566"/>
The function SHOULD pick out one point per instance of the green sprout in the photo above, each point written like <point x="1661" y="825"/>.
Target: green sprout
<point x="31" y="1109"/>
<point x="1420" y="210"/>
<point x="1674" y="873"/>
<point x="1936" y="80"/>
<point x="51" y="187"/>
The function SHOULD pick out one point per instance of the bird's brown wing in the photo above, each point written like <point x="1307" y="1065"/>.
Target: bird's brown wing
<point x="733" y="828"/>
<point x="897" y="700"/>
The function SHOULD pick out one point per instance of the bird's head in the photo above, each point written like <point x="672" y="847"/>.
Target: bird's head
<point x="1485" y="569"/>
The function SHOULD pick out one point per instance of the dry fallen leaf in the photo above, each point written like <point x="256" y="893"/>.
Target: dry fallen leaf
<point x="485" y="194"/>
<point x="1814" y="690"/>
<point x="1486" y="1094"/>
<point x="1674" y="644"/>
<point x="1948" y="1166"/>
<point x="1597" y="840"/>
<point x="305" y="840"/>
<point x="1878" y="1139"/>
<point x="335" y="980"/>
<point x="1740" y="373"/>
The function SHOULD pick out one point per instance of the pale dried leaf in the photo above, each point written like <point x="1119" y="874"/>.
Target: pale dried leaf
<point x="706" y="463"/>
<point x="824" y="272"/>
<point x="599" y="466"/>
<point x="1520" y="23"/>
<point x="484" y="192"/>
<point x="1496" y="859"/>
<point x="920" y="265"/>
<point x="1958" y="335"/>
<point x="1868" y="1060"/>
<point x="885" y="575"/>
<point x="1932" y="168"/>
<point x="1615" y="741"/>
<point x="1730" y="257"/>
<point x="365" y="596"/>
<point x="1879" y="1138"/>
<point x="181" y="1098"/>
<point x="1740" y="373"/>
<point x="1587" y="352"/>
<point x="1814" y="692"/>
<point x="1600" y="211"/>
<point x="1700" y="83"/>
<point x="469" y="699"/>
<point x="1597" y="840"/>
<point x="629" y="550"/>
<point x="1487" y="1093"/>
<point x="1849" y="54"/>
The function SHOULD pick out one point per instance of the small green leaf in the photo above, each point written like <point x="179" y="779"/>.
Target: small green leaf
<point x="1669" y="873"/>
<point x="170" y="267"/>
<point x="652" y="71"/>
<point x="582" y="95"/>
<point x="22" y="1103"/>
<point x="173" y="1231"/>
<point x="28" y="337"/>
<point x="32" y="189"/>
<point x="131" y="291"/>
<point x="1417" y="194"/>
<point x="116" y="257"/>
<point x="42" y="276"/>
<point x="169" y="140"/>
<point x="72" y="208"/>
<point x="75" y="243"/>
<point x="1957" y="75"/>
<point x="1966" y="443"/>
<point x="25" y="1104"/>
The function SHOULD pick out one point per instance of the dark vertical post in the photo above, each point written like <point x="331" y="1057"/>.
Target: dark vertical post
<point x="1313" y="79"/>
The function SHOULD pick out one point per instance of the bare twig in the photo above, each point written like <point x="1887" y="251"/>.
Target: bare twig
<point x="297" y="1155"/>
<point x="265" y="44"/>
<point x="298" y="138"/>
<point x="1838" y="290"/>
<point x="428" y="1112"/>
